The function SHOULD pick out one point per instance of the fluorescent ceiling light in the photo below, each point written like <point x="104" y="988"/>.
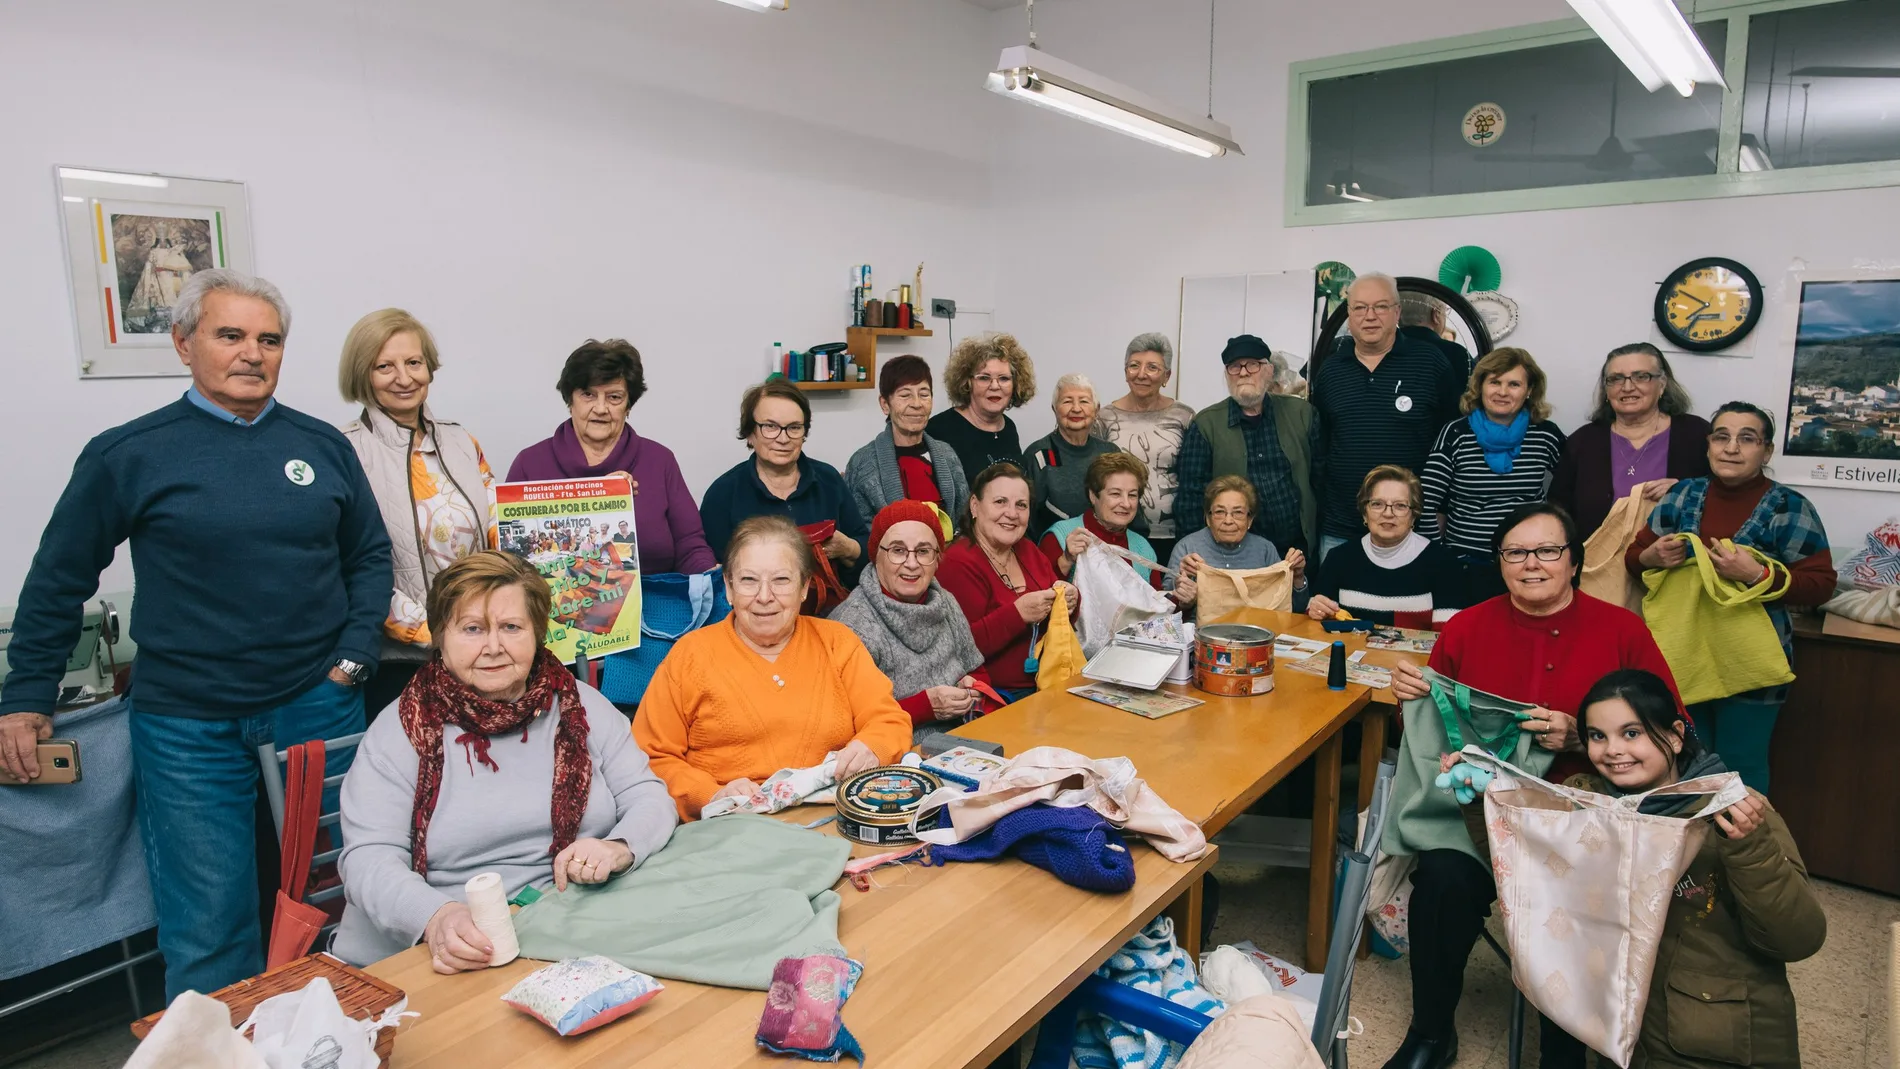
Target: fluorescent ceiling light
<point x="1754" y="157"/>
<point x="1653" y="40"/>
<point x="1032" y="75"/>
<point x="151" y="181"/>
<point x="760" y="5"/>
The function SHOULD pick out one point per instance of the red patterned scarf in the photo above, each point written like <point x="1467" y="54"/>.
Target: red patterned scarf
<point x="435" y="699"/>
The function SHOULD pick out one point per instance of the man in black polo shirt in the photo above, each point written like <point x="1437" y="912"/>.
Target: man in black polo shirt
<point x="1382" y="399"/>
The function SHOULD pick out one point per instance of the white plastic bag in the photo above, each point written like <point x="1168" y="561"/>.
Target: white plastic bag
<point x="308" y="1028"/>
<point x="195" y="1033"/>
<point x="1113" y="597"/>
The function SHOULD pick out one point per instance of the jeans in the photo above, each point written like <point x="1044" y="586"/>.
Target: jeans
<point x="1328" y="543"/>
<point x="1451" y="896"/>
<point x="1740" y="732"/>
<point x="197" y="798"/>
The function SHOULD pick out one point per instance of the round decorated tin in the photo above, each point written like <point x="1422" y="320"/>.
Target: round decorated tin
<point x="1235" y="660"/>
<point x="875" y="806"/>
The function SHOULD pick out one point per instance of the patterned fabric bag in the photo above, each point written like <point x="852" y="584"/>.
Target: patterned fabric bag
<point x="1584" y="882"/>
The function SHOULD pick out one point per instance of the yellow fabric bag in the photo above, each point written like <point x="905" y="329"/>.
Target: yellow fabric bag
<point x="1604" y="576"/>
<point x="1060" y="655"/>
<point x="1220" y="591"/>
<point x="1715" y="632"/>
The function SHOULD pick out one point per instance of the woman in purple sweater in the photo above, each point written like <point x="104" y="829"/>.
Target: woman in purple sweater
<point x="600" y="383"/>
<point x="1641" y="431"/>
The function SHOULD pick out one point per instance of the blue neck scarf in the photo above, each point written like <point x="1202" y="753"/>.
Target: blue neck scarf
<point x="1500" y="443"/>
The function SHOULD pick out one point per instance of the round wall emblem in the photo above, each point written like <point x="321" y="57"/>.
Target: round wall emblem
<point x="1484" y="124"/>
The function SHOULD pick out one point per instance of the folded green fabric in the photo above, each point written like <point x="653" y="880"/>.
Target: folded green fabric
<point x="1423" y="816"/>
<point x="721" y="904"/>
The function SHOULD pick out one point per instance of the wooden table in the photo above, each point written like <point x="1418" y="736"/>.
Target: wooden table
<point x="1212" y="761"/>
<point x="959" y="962"/>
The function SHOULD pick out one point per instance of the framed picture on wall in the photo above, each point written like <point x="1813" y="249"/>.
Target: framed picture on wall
<point x="131" y="242"/>
<point x="1841" y="425"/>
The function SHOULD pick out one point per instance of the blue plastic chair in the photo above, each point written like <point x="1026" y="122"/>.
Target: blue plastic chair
<point x="1138" y="1009"/>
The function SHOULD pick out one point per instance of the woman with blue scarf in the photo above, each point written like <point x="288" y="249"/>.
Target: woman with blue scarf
<point x="1499" y="456"/>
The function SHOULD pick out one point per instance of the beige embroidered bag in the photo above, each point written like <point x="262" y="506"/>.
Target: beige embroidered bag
<point x="1604" y="576"/>
<point x="1584" y="882"/>
<point x="1221" y="591"/>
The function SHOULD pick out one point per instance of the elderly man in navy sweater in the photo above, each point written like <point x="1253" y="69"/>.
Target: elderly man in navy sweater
<point x="263" y="575"/>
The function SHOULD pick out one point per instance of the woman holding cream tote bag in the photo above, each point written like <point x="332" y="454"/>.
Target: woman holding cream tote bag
<point x="1604" y="575"/>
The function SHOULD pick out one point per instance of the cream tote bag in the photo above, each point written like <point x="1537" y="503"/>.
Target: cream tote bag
<point x="1584" y="882"/>
<point x="1221" y="591"/>
<point x="1604" y="576"/>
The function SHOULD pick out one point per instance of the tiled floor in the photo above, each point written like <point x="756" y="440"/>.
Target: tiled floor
<point x="1841" y="993"/>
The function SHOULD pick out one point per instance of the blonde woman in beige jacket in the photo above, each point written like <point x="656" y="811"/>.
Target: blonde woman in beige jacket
<point x="430" y="478"/>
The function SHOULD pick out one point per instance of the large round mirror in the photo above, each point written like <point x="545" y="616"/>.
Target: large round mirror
<point x="1425" y="304"/>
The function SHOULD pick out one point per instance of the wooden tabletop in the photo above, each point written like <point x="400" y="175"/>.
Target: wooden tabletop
<point x="1301" y="625"/>
<point x="959" y="962"/>
<point x="1210" y="762"/>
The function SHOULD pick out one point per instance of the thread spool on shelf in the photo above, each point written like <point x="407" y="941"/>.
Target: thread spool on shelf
<point x="488" y="905"/>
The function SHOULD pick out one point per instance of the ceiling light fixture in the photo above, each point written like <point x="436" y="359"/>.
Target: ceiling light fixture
<point x="1754" y="156"/>
<point x="1026" y="73"/>
<point x="1653" y="40"/>
<point x="759" y="5"/>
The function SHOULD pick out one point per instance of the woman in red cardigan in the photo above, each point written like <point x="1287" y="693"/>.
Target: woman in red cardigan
<point x="1004" y="584"/>
<point x="1543" y="642"/>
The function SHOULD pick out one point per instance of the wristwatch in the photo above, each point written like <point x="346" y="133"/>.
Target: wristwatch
<point x="358" y="673"/>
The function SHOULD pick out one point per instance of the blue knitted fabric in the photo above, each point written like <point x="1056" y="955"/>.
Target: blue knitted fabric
<point x="1077" y="844"/>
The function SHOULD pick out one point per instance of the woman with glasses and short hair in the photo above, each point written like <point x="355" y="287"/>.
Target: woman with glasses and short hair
<point x="986" y="377"/>
<point x="779" y="479"/>
<point x="1737" y="501"/>
<point x="1641" y="432"/>
<point x="916" y="632"/>
<point x="767" y="687"/>
<point x="1391" y="574"/>
<point x="1542" y="642"/>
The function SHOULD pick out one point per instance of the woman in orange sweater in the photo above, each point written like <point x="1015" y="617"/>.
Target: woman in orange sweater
<point x="767" y="688"/>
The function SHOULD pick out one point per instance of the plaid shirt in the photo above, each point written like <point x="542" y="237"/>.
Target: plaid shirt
<point x="1277" y="519"/>
<point x="1784" y="526"/>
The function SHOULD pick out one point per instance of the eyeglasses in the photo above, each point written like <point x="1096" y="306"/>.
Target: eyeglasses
<point x="751" y="585"/>
<point x="794" y="431"/>
<point x="1390" y="508"/>
<point x="1227" y="514"/>
<point x="1543" y="553"/>
<point x="1378" y="308"/>
<point x="923" y="555"/>
<point x="1243" y="368"/>
<point x="994" y="380"/>
<point x="1640" y="378"/>
<point x="1746" y="439"/>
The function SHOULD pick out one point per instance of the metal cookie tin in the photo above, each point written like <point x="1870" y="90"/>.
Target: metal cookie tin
<point x="875" y="806"/>
<point x="1235" y="660"/>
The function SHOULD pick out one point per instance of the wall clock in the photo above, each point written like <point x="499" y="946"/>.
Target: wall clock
<point x="1708" y="304"/>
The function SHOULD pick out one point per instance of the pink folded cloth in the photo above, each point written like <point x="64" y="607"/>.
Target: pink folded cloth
<point x="803" y="1008"/>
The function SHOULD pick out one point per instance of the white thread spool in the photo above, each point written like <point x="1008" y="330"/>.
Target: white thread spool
<point x="488" y="904"/>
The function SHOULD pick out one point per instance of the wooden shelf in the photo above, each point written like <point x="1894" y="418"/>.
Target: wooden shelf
<point x="813" y="387"/>
<point x="861" y="343"/>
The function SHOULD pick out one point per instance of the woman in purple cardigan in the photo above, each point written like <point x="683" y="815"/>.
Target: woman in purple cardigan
<point x="1640" y="431"/>
<point x="600" y="383"/>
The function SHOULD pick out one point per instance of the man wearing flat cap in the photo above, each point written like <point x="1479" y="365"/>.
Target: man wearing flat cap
<point x="1271" y="439"/>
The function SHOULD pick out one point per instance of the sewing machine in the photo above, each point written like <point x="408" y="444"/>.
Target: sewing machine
<point x="103" y="648"/>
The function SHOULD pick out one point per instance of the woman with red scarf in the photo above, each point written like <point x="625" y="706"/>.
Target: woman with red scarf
<point x="497" y="760"/>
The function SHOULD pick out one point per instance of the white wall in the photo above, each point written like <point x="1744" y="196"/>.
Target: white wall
<point x="682" y="173"/>
<point x="1114" y="224"/>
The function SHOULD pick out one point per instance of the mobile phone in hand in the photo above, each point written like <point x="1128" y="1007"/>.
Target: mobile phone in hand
<point x="59" y="763"/>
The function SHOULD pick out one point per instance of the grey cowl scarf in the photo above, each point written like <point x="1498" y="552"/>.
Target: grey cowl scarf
<point x="918" y="645"/>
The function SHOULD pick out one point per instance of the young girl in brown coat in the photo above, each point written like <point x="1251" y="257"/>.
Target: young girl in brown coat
<point x="1742" y="911"/>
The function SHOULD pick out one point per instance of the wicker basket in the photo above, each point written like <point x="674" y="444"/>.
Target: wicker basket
<point x="361" y="995"/>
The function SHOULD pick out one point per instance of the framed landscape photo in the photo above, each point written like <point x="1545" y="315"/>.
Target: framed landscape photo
<point x="1841" y="427"/>
<point x="131" y="242"/>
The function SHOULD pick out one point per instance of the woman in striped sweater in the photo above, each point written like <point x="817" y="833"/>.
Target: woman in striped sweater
<point x="1502" y="454"/>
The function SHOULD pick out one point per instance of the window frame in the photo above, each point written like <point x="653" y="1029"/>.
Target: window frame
<point x="1728" y="181"/>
